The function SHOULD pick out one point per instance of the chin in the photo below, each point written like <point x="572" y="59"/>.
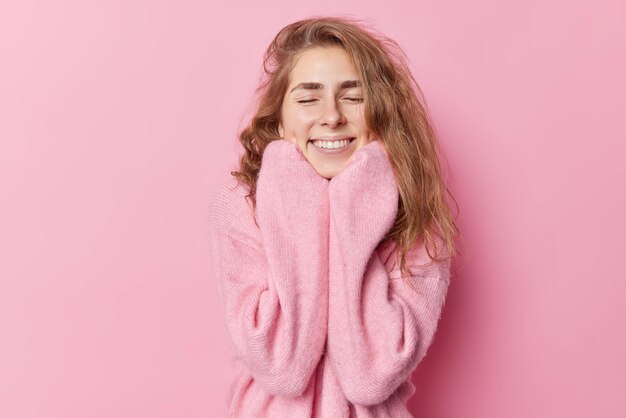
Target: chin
<point x="328" y="174"/>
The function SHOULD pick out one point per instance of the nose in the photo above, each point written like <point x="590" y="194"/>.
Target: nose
<point x="331" y="114"/>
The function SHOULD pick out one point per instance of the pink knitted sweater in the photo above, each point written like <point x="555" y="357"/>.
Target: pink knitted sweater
<point x="320" y="322"/>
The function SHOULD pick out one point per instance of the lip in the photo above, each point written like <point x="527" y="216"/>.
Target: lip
<point x="323" y="151"/>
<point x="331" y="138"/>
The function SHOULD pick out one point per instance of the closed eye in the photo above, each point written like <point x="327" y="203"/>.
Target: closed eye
<point x="352" y="99"/>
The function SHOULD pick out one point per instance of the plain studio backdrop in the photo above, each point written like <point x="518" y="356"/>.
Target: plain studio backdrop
<point x="118" y="118"/>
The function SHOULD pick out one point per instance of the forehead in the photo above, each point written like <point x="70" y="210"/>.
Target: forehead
<point x="324" y="65"/>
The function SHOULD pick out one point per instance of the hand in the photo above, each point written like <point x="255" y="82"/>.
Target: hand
<point x="291" y="198"/>
<point x="284" y="167"/>
<point x="280" y="148"/>
<point x="286" y="151"/>
<point x="366" y="189"/>
<point x="293" y="140"/>
<point x="371" y="164"/>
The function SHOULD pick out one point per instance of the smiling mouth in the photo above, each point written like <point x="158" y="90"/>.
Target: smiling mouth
<point x="331" y="144"/>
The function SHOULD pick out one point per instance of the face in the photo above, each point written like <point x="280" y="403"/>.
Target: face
<point x="322" y="105"/>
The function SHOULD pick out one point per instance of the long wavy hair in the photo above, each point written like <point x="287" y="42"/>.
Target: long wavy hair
<point x="395" y="112"/>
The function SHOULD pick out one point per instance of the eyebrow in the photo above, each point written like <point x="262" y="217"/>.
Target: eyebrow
<point x="308" y="85"/>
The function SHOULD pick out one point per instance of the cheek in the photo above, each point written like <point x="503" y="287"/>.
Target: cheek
<point x="298" y="120"/>
<point x="357" y="117"/>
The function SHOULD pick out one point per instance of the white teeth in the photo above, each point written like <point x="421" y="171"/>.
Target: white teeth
<point x="331" y="144"/>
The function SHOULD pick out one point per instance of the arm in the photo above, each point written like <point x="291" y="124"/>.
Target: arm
<point x="379" y="327"/>
<point x="275" y="297"/>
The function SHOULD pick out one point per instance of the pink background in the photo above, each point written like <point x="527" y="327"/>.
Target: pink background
<point x="117" y="119"/>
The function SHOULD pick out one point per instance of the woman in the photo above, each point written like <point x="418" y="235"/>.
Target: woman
<point x="327" y="243"/>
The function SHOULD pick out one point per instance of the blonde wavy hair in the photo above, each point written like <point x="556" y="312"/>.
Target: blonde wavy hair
<point x="394" y="111"/>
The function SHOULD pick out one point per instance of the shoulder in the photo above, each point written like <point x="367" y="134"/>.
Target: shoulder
<point x="230" y="211"/>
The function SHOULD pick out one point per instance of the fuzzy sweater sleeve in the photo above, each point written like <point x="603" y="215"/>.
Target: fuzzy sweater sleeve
<point x="379" y="327"/>
<point x="274" y="290"/>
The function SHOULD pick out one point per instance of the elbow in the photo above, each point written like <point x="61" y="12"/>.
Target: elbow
<point x="369" y="388"/>
<point x="368" y="394"/>
<point x="288" y="378"/>
<point x="284" y="370"/>
<point x="287" y="382"/>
